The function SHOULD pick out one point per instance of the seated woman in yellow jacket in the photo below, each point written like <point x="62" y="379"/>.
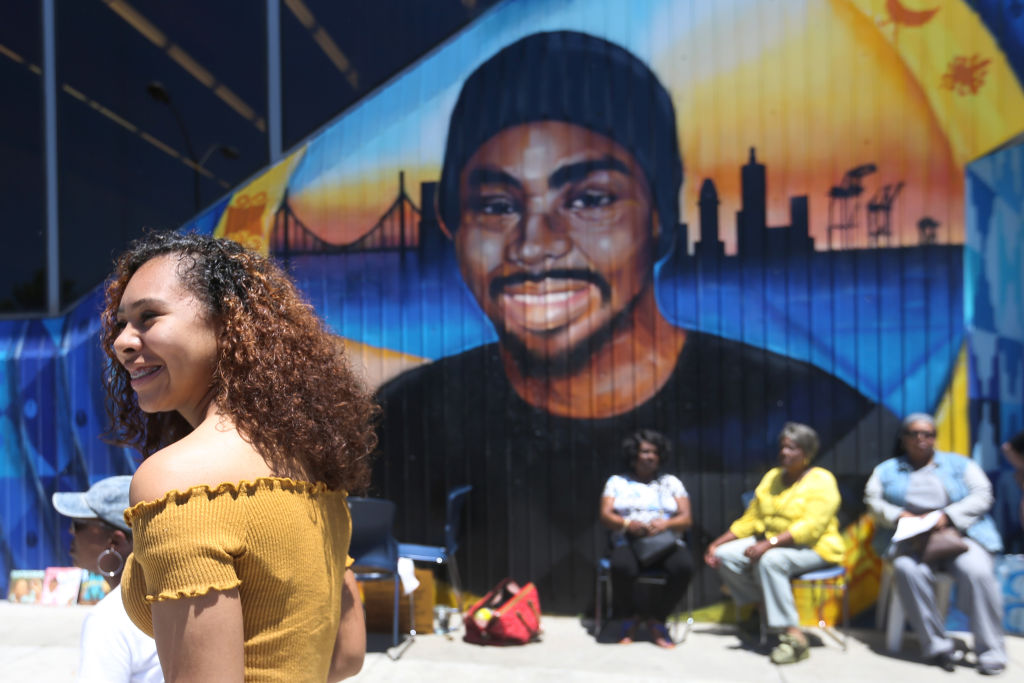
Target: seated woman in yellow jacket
<point x="789" y="528"/>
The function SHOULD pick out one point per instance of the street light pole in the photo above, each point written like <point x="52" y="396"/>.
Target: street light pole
<point x="226" y="151"/>
<point x="159" y="93"/>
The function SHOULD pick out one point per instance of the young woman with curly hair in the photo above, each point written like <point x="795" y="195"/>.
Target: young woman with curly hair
<point x="253" y="428"/>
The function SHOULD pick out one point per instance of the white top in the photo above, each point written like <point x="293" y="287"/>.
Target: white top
<point x="635" y="500"/>
<point x="113" y="649"/>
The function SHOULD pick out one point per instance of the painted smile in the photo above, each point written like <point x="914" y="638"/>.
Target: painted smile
<point x="547" y="305"/>
<point x="549" y="300"/>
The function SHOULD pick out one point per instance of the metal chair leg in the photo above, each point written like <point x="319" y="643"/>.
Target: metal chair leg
<point x="846" y="613"/>
<point x="412" y="614"/>
<point x="453" y="573"/>
<point x="820" y="589"/>
<point x="398" y="649"/>
<point x="394" y="621"/>
<point x="689" y="615"/>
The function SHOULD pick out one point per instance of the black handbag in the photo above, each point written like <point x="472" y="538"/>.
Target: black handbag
<point x="651" y="549"/>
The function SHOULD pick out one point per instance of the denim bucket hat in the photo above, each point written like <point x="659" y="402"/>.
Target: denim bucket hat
<point x="105" y="500"/>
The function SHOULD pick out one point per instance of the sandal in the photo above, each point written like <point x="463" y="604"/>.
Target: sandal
<point x="790" y="650"/>
<point x="626" y="632"/>
<point x="660" y="635"/>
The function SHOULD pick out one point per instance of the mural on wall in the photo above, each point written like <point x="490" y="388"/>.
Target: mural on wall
<point x="575" y="219"/>
<point x="994" y="303"/>
<point x="506" y="237"/>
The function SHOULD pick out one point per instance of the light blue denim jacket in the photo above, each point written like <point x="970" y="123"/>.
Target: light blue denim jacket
<point x="968" y="488"/>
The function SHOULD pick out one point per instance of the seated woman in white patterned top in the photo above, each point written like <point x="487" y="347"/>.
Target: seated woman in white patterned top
<point x="643" y="508"/>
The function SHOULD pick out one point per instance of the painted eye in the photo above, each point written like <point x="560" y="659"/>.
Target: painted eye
<point x="496" y="205"/>
<point x="591" y="199"/>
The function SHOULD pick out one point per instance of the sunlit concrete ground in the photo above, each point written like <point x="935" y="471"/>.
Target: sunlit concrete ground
<point x="41" y="644"/>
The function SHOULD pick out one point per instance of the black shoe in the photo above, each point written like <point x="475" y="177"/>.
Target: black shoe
<point x="947" y="661"/>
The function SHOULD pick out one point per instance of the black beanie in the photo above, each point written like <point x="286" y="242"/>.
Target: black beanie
<point x="575" y="78"/>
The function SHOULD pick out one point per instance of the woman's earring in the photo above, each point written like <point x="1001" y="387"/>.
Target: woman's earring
<point x="114" y="572"/>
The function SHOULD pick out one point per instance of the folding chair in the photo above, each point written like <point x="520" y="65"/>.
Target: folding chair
<point x="444" y="554"/>
<point x="831" y="578"/>
<point x="656" y="577"/>
<point x="375" y="552"/>
<point x="889" y="612"/>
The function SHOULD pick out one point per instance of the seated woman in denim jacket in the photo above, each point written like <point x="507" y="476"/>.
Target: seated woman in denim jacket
<point x="914" y="483"/>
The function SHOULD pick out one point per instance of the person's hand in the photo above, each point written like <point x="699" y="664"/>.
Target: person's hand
<point x="636" y="528"/>
<point x="905" y="513"/>
<point x="657" y="526"/>
<point x="755" y="551"/>
<point x="710" y="559"/>
<point x="943" y="521"/>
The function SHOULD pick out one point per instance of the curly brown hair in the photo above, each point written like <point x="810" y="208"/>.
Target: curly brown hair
<point x="280" y="374"/>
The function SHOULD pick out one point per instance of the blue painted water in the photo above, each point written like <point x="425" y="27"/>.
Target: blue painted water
<point x="887" y="321"/>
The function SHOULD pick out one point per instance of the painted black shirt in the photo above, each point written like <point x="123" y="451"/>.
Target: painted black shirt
<point x="537" y="478"/>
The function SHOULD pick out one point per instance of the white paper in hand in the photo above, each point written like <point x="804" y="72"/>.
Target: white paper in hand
<point x="908" y="527"/>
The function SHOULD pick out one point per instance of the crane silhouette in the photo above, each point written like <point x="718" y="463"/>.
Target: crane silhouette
<point x="880" y="211"/>
<point x="844" y="202"/>
<point x="928" y="229"/>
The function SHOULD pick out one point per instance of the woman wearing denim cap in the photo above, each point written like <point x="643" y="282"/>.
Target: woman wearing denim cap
<point x="920" y="480"/>
<point x="112" y="649"/>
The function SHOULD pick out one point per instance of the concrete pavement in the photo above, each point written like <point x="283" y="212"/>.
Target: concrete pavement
<point x="40" y="644"/>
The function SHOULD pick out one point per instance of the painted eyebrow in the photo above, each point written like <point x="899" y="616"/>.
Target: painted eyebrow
<point x="482" y="176"/>
<point x="140" y="304"/>
<point x="572" y="173"/>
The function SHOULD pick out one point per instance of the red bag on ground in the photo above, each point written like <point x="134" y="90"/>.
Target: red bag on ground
<point x="507" y="615"/>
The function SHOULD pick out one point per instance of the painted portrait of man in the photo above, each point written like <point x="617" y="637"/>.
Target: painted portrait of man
<point x="560" y="192"/>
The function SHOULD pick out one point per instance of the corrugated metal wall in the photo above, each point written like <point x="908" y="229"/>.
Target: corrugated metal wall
<point x="817" y="273"/>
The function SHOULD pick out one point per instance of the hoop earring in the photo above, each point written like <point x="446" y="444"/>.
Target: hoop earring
<point x="99" y="563"/>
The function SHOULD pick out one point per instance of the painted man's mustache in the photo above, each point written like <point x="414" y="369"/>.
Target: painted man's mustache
<point x="502" y="281"/>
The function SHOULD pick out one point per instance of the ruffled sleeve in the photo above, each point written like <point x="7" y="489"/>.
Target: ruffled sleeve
<point x="186" y="545"/>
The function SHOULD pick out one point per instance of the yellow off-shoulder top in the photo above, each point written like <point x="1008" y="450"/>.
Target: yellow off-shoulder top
<point x="282" y="543"/>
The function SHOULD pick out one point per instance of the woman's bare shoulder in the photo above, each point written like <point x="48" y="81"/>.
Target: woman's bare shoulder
<point x="204" y="457"/>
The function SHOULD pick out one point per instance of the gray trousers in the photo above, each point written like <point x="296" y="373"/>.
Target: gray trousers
<point x="768" y="579"/>
<point x="978" y="596"/>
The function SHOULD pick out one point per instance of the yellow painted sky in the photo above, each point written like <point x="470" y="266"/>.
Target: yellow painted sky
<point x="816" y="95"/>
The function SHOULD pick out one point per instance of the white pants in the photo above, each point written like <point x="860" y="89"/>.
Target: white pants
<point x="768" y="579"/>
<point x="978" y="596"/>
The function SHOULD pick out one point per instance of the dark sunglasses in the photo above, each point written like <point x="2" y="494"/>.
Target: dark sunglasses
<point x="920" y="434"/>
<point x="80" y="525"/>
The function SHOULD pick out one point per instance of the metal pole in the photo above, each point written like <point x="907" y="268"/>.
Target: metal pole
<point x="274" y="142"/>
<point x="196" y="192"/>
<point x="50" y="160"/>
